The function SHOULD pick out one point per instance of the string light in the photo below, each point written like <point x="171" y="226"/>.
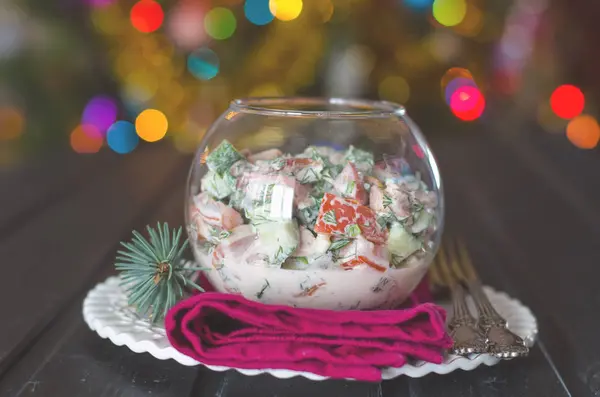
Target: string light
<point x="100" y="112"/>
<point x="258" y="12"/>
<point x="121" y="137"/>
<point x="449" y="12"/>
<point x="86" y="139"/>
<point x="12" y="123"/>
<point x="584" y="132"/>
<point x="151" y="125"/>
<point x="285" y="10"/>
<point x="147" y="16"/>
<point x="203" y="63"/>
<point x="567" y="101"/>
<point x="220" y="23"/>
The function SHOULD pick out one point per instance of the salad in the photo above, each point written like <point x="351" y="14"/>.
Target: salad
<point x="320" y="209"/>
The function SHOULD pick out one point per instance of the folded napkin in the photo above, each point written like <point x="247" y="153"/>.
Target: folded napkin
<point x="229" y="330"/>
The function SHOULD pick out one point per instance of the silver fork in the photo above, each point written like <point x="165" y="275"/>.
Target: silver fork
<point x="501" y="341"/>
<point x="462" y="327"/>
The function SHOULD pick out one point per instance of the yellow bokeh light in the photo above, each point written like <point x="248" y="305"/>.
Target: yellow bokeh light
<point x="11" y="123"/>
<point x="268" y="89"/>
<point x="395" y="89"/>
<point x="285" y="10"/>
<point x="472" y="23"/>
<point x="151" y="125"/>
<point x="449" y="12"/>
<point x="326" y="10"/>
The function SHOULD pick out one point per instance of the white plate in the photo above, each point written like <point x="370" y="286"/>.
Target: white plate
<point x="105" y="311"/>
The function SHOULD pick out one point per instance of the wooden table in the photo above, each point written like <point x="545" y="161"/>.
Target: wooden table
<point x="526" y="202"/>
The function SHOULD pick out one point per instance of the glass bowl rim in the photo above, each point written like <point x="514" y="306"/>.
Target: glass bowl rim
<point x="288" y="106"/>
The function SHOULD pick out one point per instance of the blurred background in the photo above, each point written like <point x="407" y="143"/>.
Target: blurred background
<point x="113" y="75"/>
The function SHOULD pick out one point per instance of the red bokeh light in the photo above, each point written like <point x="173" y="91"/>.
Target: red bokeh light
<point x="567" y="101"/>
<point x="467" y="103"/>
<point x="147" y="16"/>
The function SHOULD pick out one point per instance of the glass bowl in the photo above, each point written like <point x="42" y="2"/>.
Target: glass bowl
<point x="323" y="203"/>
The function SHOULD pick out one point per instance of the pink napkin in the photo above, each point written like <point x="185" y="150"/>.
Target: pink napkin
<point x="229" y="330"/>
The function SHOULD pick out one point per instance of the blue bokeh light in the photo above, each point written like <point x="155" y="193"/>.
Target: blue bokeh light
<point x="121" y="137"/>
<point x="203" y="63"/>
<point x="258" y="12"/>
<point x="418" y="4"/>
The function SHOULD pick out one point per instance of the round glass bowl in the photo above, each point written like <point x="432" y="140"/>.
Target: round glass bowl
<point x="323" y="203"/>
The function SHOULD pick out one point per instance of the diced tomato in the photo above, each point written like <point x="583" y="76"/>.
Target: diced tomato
<point x="349" y="184"/>
<point x="336" y="213"/>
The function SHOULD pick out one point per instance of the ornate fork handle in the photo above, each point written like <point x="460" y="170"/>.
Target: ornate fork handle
<point x="467" y="337"/>
<point x="501" y="341"/>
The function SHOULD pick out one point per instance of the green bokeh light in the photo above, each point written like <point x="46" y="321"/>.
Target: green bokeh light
<point x="220" y="23"/>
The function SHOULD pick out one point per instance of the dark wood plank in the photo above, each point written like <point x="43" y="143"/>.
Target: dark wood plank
<point x="526" y="377"/>
<point x="71" y="360"/>
<point x="31" y="187"/>
<point x="234" y="384"/>
<point x="57" y="253"/>
<point x="496" y="197"/>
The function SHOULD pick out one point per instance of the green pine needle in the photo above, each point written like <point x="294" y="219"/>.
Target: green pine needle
<point x="152" y="271"/>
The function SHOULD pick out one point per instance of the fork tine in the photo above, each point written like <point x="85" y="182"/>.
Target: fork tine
<point x="467" y="264"/>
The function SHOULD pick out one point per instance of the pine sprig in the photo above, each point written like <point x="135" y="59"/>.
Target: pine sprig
<point x="153" y="272"/>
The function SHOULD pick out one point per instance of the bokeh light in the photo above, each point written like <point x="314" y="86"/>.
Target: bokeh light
<point x="121" y="137"/>
<point x="183" y="24"/>
<point x="467" y="103"/>
<point x="267" y="89"/>
<point x="395" y="89"/>
<point x="220" y="23"/>
<point x="100" y="3"/>
<point x="583" y="131"/>
<point x="418" y="4"/>
<point x="151" y="125"/>
<point x="86" y="138"/>
<point x="258" y="12"/>
<point x="326" y="8"/>
<point x="472" y="23"/>
<point x="462" y="94"/>
<point x="449" y="12"/>
<point x="203" y="63"/>
<point x="444" y="45"/>
<point x="100" y="112"/>
<point x="285" y="10"/>
<point x="147" y="16"/>
<point x="567" y="101"/>
<point x="456" y="84"/>
<point x="12" y="123"/>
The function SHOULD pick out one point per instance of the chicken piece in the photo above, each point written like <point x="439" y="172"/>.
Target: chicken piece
<point x="377" y="200"/>
<point x="349" y="184"/>
<point x="211" y="214"/>
<point x="397" y="198"/>
<point x="310" y="245"/>
<point x="265" y="155"/>
<point x="361" y="253"/>
<point x="235" y="245"/>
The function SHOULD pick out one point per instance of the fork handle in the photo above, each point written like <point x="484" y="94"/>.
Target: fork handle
<point x="462" y="314"/>
<point x="488" y="316"/>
